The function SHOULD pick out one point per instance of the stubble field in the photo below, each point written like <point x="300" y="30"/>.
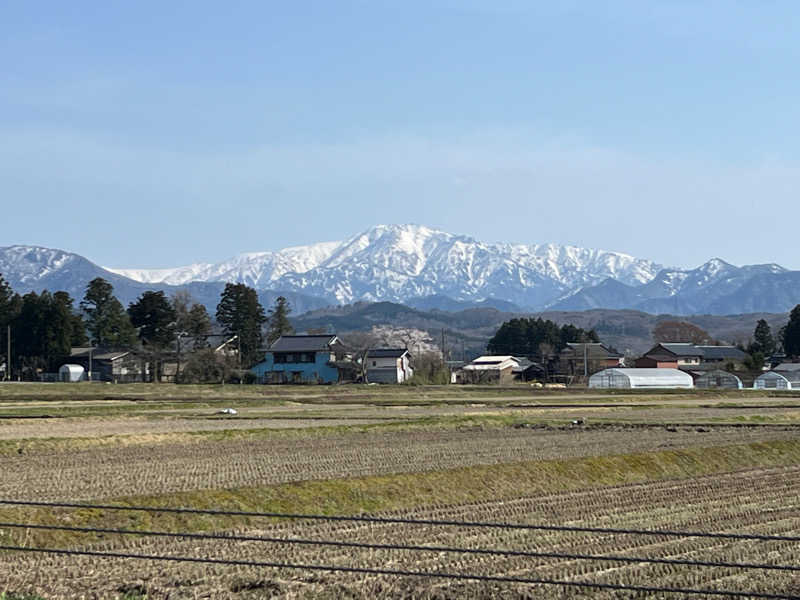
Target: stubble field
<point x="689" y="462"/>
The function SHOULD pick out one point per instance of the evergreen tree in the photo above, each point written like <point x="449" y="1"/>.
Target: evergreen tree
<point x="77" y="335"/>
<point x="44" y="332"/>
<point x="240" y="313"/>
<point x="106" y="320"/>
<point x="191" y="319"/>
<point x="278" y="322"/>
<point x="763" y="342"/>
<point x="535" y="337"/>
<point x="791" y="335"/>
<point x="10" y="304"/>
<point x="154" y="319"/>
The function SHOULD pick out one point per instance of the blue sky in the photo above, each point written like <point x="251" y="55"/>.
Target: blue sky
<point x="152" y="134"/>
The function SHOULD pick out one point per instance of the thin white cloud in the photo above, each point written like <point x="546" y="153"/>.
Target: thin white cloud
<point x="496" y="185"/>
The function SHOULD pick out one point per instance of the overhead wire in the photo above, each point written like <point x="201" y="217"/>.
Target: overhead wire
<point x="403" y="547"/>
<point x="405" y="573"/>
<point x="409" y="521"/>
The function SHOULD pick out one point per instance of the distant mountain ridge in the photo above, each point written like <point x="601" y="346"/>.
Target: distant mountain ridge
<point x="716" y="288"/>
<point x="435" y="270"/>
<point x="398" y="263"/>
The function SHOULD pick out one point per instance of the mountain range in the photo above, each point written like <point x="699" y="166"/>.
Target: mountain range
<point x="430" y="269"/>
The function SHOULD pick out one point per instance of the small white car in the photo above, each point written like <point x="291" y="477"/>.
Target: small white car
<point x="228" y="411"/>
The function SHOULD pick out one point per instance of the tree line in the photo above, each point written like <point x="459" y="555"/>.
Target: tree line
<point x="765" y="344"/>
<point x="536" y="337"/>
<point x="46" y="326"/>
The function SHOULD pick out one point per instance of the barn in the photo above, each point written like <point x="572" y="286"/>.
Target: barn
<point x="641" y="378"/>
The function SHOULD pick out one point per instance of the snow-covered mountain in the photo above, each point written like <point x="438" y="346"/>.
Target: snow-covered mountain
<point x="400" y="262"/>
<point x="428" y="268"/>
<point x="715" y="287"/>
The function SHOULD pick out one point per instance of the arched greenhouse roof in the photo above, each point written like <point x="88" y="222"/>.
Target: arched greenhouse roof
<point x="641" y="378"/>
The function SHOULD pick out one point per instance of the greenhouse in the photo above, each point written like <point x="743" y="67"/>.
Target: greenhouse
<point x="70" y="373"/>
<point x="641" y="378"/>
<point x="718" y="379"/>
<point x="778" y="380"/>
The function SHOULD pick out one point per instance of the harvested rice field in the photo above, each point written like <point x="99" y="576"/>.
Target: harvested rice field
<point x="647" y="462"/>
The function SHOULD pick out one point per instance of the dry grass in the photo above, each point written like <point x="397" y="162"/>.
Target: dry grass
<point x="654" y="460"/>
<point x="599" y="492"/>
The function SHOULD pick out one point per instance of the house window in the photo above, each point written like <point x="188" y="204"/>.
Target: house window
<point x="374" y="364"/>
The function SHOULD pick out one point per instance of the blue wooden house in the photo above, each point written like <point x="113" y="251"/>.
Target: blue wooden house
<point x="303" y="359"/>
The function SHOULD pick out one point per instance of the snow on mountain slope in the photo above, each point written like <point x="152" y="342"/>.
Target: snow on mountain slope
<point x="397" y="262"/>
<point x="256" y="269"/>
<point x="33" y="263"/>
<point x="413" y="263"/>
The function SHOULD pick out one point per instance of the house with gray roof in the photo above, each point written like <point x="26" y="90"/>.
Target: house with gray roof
<point x="587" y="358"/>
<point x="117" y="365"/>
<point x="305" y="359"/>
<point x="388" y="365"/>
<point x="690" y="357"/>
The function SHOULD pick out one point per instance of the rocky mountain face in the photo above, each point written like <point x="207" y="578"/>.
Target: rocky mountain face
<point x="435" y="270"/>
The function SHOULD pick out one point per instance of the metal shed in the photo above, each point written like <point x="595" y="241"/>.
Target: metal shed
<point x="718" y="379"/>
<point x="641" y="378"/>
<point x="70" y="373"/>
<point x="778" y="380"/>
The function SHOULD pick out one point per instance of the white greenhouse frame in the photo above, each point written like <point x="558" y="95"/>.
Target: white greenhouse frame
<point x="641" y="378"/>
<point x="718" y="379"/>
<point x="71" y="373"/>
<point x="778" y="380"/>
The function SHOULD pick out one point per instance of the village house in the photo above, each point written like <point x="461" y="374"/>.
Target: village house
<point x="305" y="359"/>
<point x="527" y="370"/>
<point x="670" y="356"/>
<point x="389" y="365"/>
<point x="715" y="356"/>
<point x="488" y="369"/>
<point x="108" y="364"/>
<point x="588" y="358"/>
<point x="690" y="357"/>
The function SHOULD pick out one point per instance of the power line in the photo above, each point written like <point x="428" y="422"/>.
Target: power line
<point x="403" y="573"/>
<point x="415" y="548"/>
<point x="406" y="521"/>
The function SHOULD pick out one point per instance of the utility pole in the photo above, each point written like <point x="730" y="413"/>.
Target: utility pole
<point x="239" y="340"/>
<point x="178" y="357"/>
<point x="8" y="354"/>
<point x="585" y="361"/>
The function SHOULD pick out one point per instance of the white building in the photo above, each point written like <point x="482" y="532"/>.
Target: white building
<point x="641" y="378"/>
<point x="389" y="365"/>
